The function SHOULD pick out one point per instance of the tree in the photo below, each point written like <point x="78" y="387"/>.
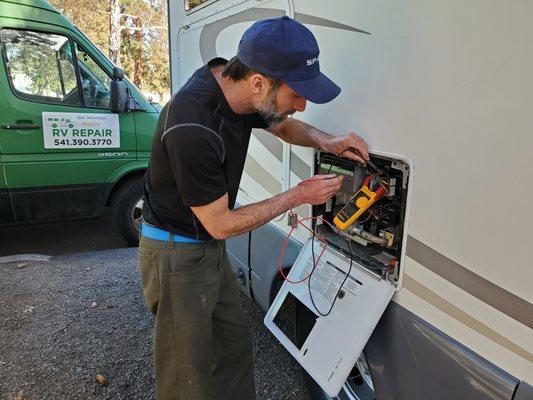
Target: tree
<point x="89" y="16"/>
<point x="136" y="38"/>
<point x="189" y="4"/>
<point x="114" y="31"/>
<point x="146" y="40"/>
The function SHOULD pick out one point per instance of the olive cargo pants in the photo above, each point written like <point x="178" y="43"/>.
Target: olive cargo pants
<point x="202" y="346"/>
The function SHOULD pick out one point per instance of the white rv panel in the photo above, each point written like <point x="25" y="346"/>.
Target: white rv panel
<point x="336" y="340"/>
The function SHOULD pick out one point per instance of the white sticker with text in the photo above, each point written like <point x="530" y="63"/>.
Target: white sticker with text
<point x="80" y="131"/>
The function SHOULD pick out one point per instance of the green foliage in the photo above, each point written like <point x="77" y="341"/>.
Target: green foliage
<point x="190" y="4"/>
<point x="40" y="64"/>
<point x="147" y="44"/>
<point x="90" y="16"/>
<point x="144" y="37"/>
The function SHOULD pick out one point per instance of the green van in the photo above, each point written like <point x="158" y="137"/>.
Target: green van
<point x="75" y="136"/>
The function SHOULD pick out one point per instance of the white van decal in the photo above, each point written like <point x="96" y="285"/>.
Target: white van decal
<point x="80" y="131"/>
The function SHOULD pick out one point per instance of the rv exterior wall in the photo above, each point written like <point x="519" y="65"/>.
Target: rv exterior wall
<point x="449" y="85"/>
<point x="440" y="84"/>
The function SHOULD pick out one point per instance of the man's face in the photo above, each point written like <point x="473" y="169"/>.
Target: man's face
<point x="280" y="103"/>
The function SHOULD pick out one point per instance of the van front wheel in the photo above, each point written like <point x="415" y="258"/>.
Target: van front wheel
<point x="127" y="210"/>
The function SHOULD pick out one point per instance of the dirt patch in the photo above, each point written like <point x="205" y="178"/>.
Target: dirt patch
<point x="75" y="327"/>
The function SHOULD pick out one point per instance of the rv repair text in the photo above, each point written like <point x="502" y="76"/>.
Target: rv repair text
<point x="82" y="132"/>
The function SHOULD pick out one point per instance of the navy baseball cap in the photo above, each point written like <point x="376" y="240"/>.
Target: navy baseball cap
<point x="284" y="48"/>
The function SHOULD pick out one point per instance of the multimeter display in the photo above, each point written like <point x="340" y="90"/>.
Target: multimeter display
<point x="358" y="204"/>
<point x="347" y="211"/>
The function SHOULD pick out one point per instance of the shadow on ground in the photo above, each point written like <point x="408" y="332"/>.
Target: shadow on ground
<point x="61" y="237"/>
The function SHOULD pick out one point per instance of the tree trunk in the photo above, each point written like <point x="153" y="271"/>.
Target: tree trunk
<point x="138" y="53"/>
<point x="114" y="31"/>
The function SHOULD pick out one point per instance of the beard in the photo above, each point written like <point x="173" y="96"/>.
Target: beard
<point x="269" y="110"/>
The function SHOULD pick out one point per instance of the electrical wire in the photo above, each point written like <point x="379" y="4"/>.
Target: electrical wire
<point x="309" y="276"/>
<point x="370" y="214"/>
<point x="338" y="155"/>
<point x="349" y="239"/>
<point x="346" y="237"/>
<point x="250" y="264"/>
<point x="340" y="287"/>
<point x="381" y="182"/>
<point x="286" y="242"/>
<point x="315" y="261"/>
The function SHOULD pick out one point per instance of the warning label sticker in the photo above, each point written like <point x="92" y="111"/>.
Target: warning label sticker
<point x="327" y="279"/>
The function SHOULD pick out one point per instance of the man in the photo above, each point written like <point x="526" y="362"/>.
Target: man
<point x="202" y="347"/>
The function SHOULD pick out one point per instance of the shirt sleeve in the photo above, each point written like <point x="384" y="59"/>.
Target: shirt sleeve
<point x="196" y="155"/>
<point x="258" y="121"/>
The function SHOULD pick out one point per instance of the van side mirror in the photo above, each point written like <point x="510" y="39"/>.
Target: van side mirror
<point x="119" y="92"/>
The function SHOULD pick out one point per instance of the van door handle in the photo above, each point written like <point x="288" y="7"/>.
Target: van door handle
<point x="22" y="127"/>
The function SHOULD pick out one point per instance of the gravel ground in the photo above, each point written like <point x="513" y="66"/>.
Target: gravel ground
<point x="53" y="343"/>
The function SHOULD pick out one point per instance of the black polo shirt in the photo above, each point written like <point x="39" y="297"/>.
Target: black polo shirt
<point x="198" y="154"/>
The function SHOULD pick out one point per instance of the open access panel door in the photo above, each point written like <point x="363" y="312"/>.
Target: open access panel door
<point x="352" y="272"/>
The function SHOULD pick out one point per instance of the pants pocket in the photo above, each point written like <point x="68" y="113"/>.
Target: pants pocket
<point x="187" y="258"/>
<point x="150" y="281"/>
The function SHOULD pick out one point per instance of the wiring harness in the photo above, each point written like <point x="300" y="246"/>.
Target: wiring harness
<point x="295" y="223"/>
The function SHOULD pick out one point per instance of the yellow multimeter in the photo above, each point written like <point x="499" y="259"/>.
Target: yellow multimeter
<point x="358" y="204"/>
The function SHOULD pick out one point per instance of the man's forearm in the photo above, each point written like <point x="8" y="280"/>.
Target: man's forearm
<point x="297" y="132"/>
<point x="252" y="216"/>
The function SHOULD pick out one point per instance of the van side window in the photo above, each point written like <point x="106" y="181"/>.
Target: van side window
<point x="39" y="66"/>
<point x="192" y="4"/>
<point x="95" y="81"/>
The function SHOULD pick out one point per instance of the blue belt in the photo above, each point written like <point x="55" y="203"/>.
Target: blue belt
<point x="151" y="232"/>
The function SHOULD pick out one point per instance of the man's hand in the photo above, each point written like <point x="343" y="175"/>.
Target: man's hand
<point x="318" y="189"/>
<point x="222" y="223"/>
<point x="297" y="132"/>
<point x="342" y="145"/>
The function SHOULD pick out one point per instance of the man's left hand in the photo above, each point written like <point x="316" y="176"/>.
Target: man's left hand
<point x="342" y="145"/>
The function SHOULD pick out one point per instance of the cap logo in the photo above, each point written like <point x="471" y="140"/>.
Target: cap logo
<point x="312" y="61"/>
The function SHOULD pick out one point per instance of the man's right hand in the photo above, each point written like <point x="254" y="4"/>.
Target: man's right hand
<point x="222" y="223"/>
<point x="318" y="189"/>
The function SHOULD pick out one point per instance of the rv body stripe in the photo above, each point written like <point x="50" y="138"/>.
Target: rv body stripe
<point x="271" y="143"/>
<point x="455" y="312"/>
<point x="275" y="146"/>
<point x="313" y="20"/>
<point x="261" y="176"/>
<point x="299" y="167"/>
<point x="210" y="32"/>
<point x="486" y="291"/>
